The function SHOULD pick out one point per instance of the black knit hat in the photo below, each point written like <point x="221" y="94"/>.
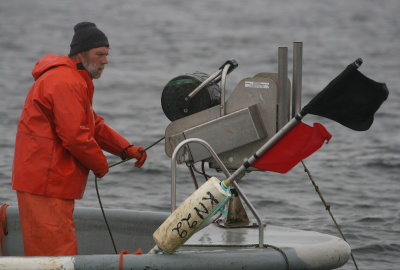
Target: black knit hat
<point x="87" y="36"/>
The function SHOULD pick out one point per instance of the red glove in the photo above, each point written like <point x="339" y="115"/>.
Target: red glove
<point x="102" y="173"/>
<point x="133" y="151"/>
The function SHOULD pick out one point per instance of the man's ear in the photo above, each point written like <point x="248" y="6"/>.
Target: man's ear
<point x="80" y="56"/>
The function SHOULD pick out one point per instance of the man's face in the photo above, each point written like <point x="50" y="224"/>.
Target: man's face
<point x="94" y="61"/>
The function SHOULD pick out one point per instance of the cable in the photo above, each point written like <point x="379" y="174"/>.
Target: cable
<point x="217" y="217"/>
<point x="327" y="208"/>
<point x="193" y="177"/>
<point x="204" y="172"/>
<point x="140" y="152"/>
<point x="200" y="172"/>
<point x="104" y="215"/>
<point x="98" y="194"/>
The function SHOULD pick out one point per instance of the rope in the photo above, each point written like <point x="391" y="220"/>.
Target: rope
<point x="327" y="208"/>
<point x="246" y="245"/>
<point x="140" y="152"/>
<point x="125" y="252"/>
<point x="3" y="226"/>
<point x="98" y="194"/>
<point x="104" y="215"/>
<point x="121" y="258"/>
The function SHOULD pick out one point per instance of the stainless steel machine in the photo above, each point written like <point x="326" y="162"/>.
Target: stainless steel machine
<point x="235" y="128"/>
<point x="257" y="108"/>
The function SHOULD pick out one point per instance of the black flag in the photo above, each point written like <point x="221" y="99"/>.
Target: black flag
<point x="351" y="99"/>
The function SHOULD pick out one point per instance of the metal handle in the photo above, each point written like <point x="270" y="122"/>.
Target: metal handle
<point x="173" y="166"/>
<point x="223" y="81"/>
<point x="227" y="174"/>
<point x="204" y="84"/>
<point x="217" y="76"/>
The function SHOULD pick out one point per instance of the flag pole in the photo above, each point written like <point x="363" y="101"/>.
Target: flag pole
<point x="288" y="127"/>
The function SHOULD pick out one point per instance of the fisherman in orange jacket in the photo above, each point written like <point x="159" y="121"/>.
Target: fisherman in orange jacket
<point x="59" y="139"/>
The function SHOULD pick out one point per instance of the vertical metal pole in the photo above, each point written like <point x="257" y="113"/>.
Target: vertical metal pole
<point x="283" y="91"/>
<point x="173" y="182"/>
<point x="297" y="77"/>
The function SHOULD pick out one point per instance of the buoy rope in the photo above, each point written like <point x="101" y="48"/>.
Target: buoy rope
<point x="327" y="208"/>
<point x="98" y="194"/>
<point x="245" y="245"/>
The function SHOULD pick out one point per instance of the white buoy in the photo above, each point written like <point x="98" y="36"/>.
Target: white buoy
<point x="190" y="215"/>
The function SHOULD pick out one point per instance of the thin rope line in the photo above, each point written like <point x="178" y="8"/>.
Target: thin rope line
<point x="328" y="208"/>
<point x="98" y="194"/>
<point x="140" y="152"/>
<point x="104" y="215"/>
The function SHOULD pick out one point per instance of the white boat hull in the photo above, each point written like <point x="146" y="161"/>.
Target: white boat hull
<point x="212" y="247"/>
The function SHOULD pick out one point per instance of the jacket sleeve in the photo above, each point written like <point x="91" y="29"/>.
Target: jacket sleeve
<point x="108" y="138"/>
<point x="72" y="116"/>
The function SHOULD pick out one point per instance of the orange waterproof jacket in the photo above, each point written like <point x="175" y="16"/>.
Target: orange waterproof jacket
<point x="60" y="137"/>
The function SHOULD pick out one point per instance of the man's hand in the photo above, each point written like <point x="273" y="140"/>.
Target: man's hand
<point x="134" y="152"/>
<point x="102" y="173"/>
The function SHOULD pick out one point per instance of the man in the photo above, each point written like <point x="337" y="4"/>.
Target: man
<point x="59" y="139"/>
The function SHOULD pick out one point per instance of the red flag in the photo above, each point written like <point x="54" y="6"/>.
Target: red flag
<point x="299" y="143"/>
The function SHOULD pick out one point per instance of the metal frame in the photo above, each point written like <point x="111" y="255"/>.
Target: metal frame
<point x="227" y="174"/>
<point x="284" y="125"/>
<point x="283" y="88"/>
<point x="297" y="77"/>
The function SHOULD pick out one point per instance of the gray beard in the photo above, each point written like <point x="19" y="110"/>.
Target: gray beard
<point x="93" y="68"/>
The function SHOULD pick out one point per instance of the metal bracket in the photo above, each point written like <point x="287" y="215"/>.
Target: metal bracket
<point x="227" y="174"/>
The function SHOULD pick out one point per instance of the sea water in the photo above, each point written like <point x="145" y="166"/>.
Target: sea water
<point x="155" y="41"/>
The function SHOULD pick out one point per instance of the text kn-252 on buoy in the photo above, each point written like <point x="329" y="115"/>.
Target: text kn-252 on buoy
<point x="191" y="215"/>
